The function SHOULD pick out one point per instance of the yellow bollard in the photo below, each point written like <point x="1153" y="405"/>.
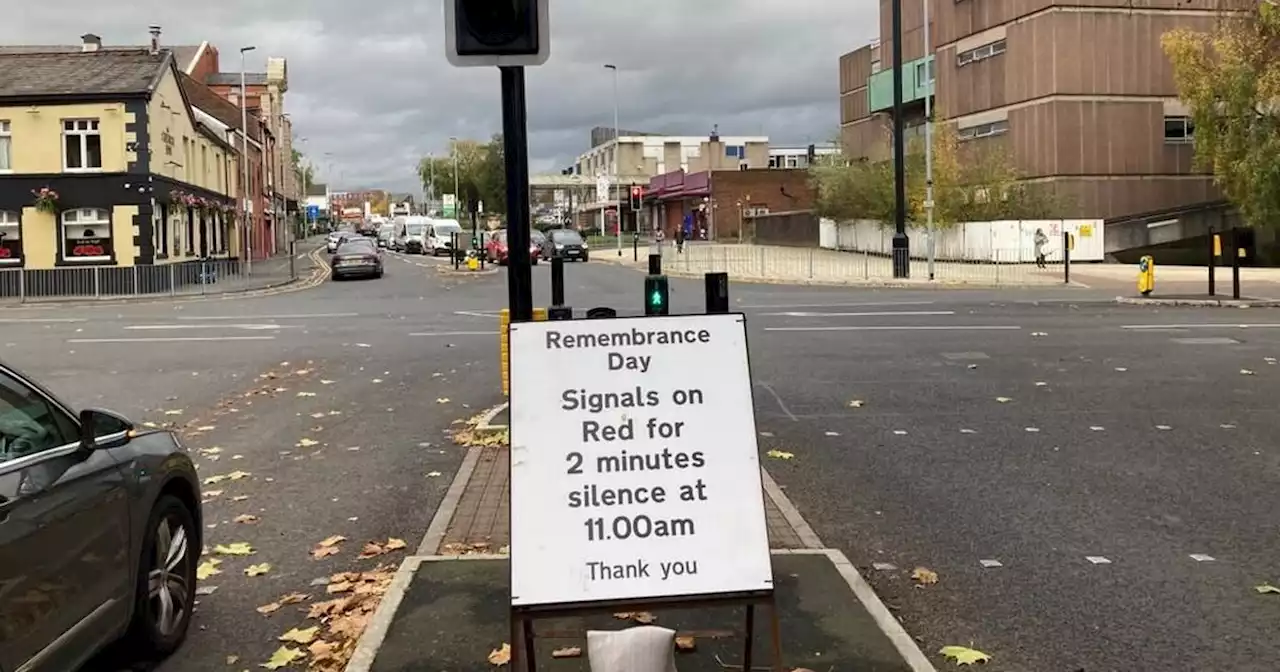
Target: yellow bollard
<point x="1146" y="275"/>
<point x="473" y="264"/>
<point x="504" y="338"/>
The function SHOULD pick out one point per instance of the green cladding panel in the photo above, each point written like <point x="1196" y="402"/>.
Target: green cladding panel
<point x="915" y="85"/>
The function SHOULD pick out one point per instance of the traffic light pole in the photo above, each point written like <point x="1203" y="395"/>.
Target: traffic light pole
<point x="515" y="141"/>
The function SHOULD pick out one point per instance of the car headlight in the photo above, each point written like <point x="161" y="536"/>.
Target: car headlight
<point x="584" y="246"/>
<point x="559" y="246"/>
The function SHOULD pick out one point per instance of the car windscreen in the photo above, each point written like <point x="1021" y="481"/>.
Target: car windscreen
<point x="355" y="247"/>
<point x="414" y="230"/>
<point x="537" y="236"/>
<point x="566" y="237"/>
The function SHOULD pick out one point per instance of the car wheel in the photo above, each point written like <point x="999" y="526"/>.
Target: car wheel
<point x="166" y="590"/>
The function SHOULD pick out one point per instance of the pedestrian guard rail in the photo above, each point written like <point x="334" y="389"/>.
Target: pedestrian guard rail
<point x="997" y="242"/>
<point x="208" y="276"/>
<point x="809" y="264"/>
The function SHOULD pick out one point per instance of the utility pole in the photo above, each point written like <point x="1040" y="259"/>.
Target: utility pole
<point x="244" y="136"/>
<point x="901" y="244"/>
<point x="617" y="147"/>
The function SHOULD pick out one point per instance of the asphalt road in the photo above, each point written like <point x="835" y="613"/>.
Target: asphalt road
<point x="1123" y="478"/>
<point x="255" y="382"/>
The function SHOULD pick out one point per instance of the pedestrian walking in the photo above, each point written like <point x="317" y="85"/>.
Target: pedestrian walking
<point x="679" y="241"/>
<point x="1040" y="241"/>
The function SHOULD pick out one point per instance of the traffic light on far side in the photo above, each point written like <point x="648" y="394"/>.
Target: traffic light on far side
<point x="637" y="197"/>
<point x="656" y="295"/>
<point x="497" y="32"/>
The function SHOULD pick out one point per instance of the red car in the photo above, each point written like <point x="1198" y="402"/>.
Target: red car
<point x="495" y="250"/>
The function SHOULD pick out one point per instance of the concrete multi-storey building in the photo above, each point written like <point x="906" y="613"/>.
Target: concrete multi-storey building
<point x="1080" y="94"/>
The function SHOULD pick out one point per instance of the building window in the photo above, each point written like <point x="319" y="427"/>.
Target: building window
<point x="81" y="145"/>
<point x="10" y="238"/>
<point x="86" y="234"/>
<point x="924" y="73"/>
<point x="985" y="51"/>
<point x="984" y="130"/>
<point x="1179" y="130"/>
<point x="6" y="147"/>
<point x="736" y="151"/>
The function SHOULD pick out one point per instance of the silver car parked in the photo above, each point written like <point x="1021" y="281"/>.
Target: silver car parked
<point x="100" y="533"/>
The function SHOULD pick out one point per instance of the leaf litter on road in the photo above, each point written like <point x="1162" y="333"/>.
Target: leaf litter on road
<point x="235" y="548"/>
<point x="373" y="549"/>
<point x="500" y="656"/>
<point x="208" y="568"/>
<point x="285" y="600"/>
<point x="923" y="576"/>
<point x="284" y="657"/>
<point x="964" y="655"/>
<point x="327" y="547"/>
<point x="258" y="569"/>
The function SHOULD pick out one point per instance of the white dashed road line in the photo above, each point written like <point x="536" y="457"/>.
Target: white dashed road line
<point x="174" y="339"/>
<point x="972" y="327"/>
<point x="912" y="313"/>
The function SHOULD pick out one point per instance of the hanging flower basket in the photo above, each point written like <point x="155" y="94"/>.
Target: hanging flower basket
<point x="46" y="200"/>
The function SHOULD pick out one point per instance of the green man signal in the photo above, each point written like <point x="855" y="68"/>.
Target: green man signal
<point x="656" y="295"/>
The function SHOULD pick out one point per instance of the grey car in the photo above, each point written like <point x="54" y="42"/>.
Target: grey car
<point x="100" y="533"/>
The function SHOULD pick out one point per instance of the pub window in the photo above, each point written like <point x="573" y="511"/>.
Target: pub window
<point x="10" y="238"/>
<point x="81" y="145"/>
<point x="86" y="234"/>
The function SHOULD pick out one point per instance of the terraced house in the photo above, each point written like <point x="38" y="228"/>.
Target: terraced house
<point x="104" y="163"/>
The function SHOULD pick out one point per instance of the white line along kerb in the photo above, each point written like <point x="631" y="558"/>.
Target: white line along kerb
<point x="634" y="464"/>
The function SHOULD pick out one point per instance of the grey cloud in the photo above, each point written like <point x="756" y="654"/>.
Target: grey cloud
<point x="370" y="85"/>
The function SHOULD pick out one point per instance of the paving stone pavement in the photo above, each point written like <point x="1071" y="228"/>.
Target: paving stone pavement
<point x="481" y="522"/>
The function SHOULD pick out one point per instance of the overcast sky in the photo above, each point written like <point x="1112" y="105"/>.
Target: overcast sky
<point x="370" y="85"/>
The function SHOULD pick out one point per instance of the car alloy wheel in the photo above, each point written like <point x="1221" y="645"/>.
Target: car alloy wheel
<point x="167" y="581"/>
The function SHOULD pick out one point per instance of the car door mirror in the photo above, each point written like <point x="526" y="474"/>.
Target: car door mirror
<point x="100" y="428"/>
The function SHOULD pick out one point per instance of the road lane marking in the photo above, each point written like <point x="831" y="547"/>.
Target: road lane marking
<point x="171" y="339"/>
<point x="763" y="306"/>
<point x="910" y="313"/>
<point x="786" y="411"/>
<point x="455" y="333"/>
<point x="245" y="327"/>
<point x="478" y="313"/>
<point x="1202" y="325"/>
<point x="960" y="327"/>
<point x="40" y="320"/>
<point x="297" y="316"/>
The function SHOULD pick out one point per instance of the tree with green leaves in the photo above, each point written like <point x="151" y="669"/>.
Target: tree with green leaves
<point x="1229" y="78"/>
<point x="481" y="175"/>
<point x="971" y="182"/>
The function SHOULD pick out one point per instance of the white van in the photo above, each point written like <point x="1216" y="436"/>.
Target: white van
<point x="411" y="230"/>
<point x="440" y="236"/>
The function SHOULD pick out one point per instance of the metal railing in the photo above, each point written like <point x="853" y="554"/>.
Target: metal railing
<point x="185" y="278"/>
<point x="806" y="264"/>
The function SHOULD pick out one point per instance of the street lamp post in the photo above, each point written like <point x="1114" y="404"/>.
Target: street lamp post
<point x="617" y="146"/>
<point x="453" y="149"/>
<point x="928" y="136"/>
<point x="901" y="244"/>
<point x="244" y="159"/>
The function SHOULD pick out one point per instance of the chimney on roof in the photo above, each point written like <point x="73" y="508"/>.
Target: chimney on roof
<point x="155" y="40"/>
<point x="90" y="42"/>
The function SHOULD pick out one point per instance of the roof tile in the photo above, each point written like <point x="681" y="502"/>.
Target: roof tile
<point x="114" y="71"/>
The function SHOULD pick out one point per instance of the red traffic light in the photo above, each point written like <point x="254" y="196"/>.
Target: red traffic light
<point x="635" y="191"/>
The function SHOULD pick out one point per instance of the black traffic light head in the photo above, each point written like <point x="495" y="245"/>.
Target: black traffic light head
<point x="656" y="295"/>
<point x="637" y="197"/>
<point x="497" y="32"/>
